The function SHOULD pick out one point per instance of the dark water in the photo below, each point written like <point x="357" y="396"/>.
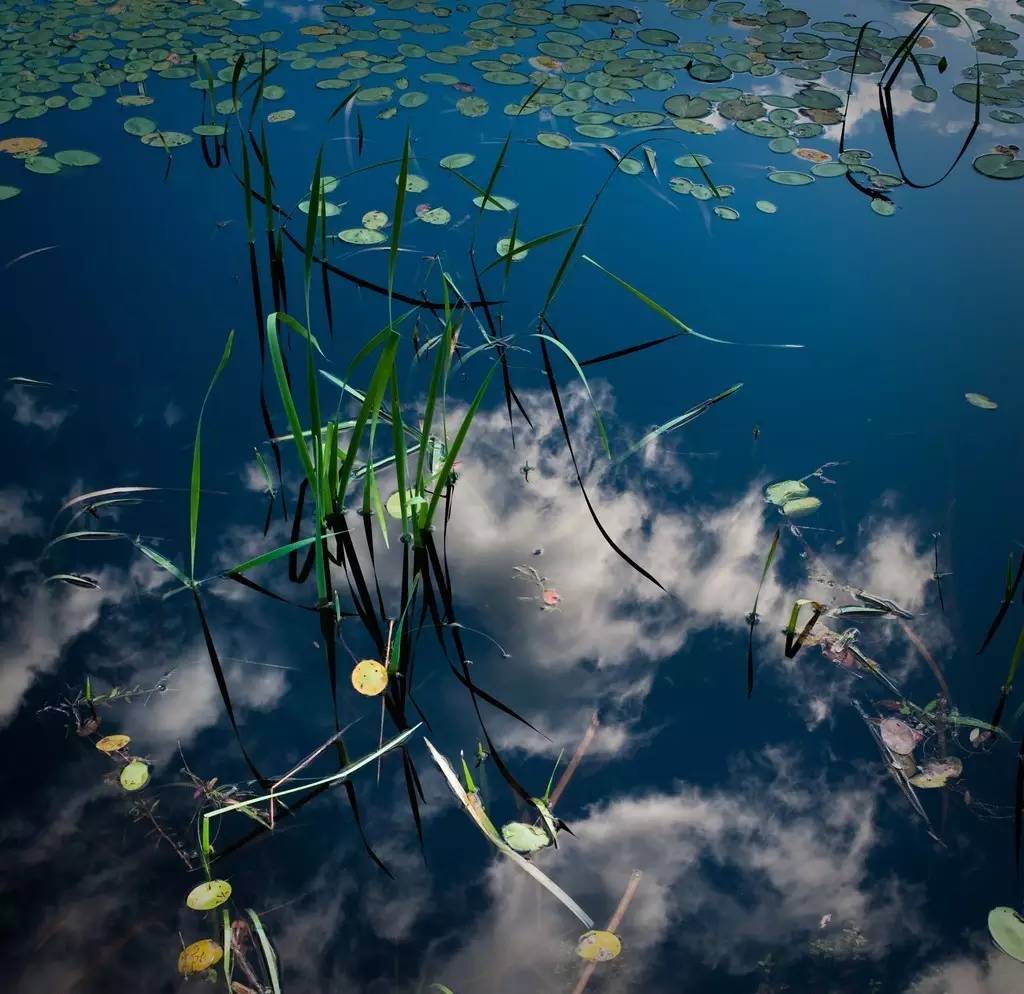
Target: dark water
<point x="774" y="850"/>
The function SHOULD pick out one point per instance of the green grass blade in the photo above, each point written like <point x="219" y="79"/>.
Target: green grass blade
<point x="345" y="101"/>
<point x="269" y="956"/>
<point x="678" y="422"/>
<point x="288" y="402"/>
<point x="493" y="178"/>
<point x="453" y="449"/>
<point x="526" y="246"/>
<point x="586" y="386"/>
<point x="668" y="315"/>
<point x="193" y="522"/>
<point x="267" y="557"/>
<point x="398" y="441"/>
<point x="396" y="221"/>
<point x="247" y="183"/>
<point x="164" y="563"/>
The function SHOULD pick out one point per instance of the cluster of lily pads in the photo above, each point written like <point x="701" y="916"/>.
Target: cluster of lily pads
<point x="767" y="70"/>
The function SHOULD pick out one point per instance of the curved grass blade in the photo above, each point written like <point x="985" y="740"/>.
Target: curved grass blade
<point x="514" y="250"/>
<point x="164" y="563"/>
<point x="193" y="515"/>
<point x="678" y="422"/>
<point x="82" y="536"/>
<point x="671" y="318"/>
<point x="267" y="949"/>
<point x="1009" y="592"/>
<point x="553" y="385"/>
<point x="586" y="386"/>
<point x="89" y="497"/>
<point x="474" y="808"/>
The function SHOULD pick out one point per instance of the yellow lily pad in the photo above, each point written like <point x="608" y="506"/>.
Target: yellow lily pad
<point x="598" y="946"/>
<point x="208" y="895"/>
<point x="112" y="743"/>
<point x="199" y="956"/>
<point x="369" y="677"/>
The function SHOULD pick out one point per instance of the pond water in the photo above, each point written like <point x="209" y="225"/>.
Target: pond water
<point x="780" y="762"/>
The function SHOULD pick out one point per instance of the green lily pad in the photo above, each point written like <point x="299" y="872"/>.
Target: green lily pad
<point x="375" y="220"/>
<point x="43" y="165"/>
<point x="135" y="775"/>
<point x="436" y="215"/>
<point x="496" y="203"/>
<point x="76" y="157"/>
<point x="139" y="126"/>
<point x="362" y="236"/>
<point x="779" y="493"/>
<point x="790" y="177"/>
<point x="414" y="183"/>
<point x="166" y="139"/>
<point x="980" y="400"/>
<point x="277" y="116"/>
<point x="766" y="207"/>
<point x="883" y="208"/>
<point x="800" y="507"/>
<point x="728" y="213"/>
<point x="996" y="165"/>
<point x="552" y="139"/>
<point x="208" y="895"/>
<point x="525" y="838"/>
<point x="472" y="106"/>
<point x="518" y="254"/>
<point x="6" y="192"/>
<point x="1007" y="930"/>
<point x="458" y="160"/>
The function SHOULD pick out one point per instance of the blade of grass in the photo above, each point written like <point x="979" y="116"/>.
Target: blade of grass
<point x="671" y="318"/>
<point x="269" y="956"/>
<point x="753" y="611"/>
<point x="193" y="519"/>
<point x="586" y="386"/>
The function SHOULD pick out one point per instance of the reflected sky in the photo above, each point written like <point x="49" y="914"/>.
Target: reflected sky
<point x="774" y="849"/>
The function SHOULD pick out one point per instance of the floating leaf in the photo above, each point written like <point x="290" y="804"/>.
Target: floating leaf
<point x="980" y="400"/>
<point x="518" y="253"/>
<point x="76" y="157"/>
<point x="112" y="743"/>
<point x="135" y="775"/>
<point x="1007" y="930"/>
<point x="208" y="895"/>
<point x="779" y="493"/>
<point x="598" y="946"/>
<point x="457" y="160"/>
<point x="375" y="220"/>
<point x="938" y="773"/>
<point x="898" y="736"/>
<point x="199" y="956"/>
<point x="801" y="507"/>
<point x="369" y="677"/>
<point x="362" y="236"/>
<point x="139" y="126"/>
<point x="525" y="838"/>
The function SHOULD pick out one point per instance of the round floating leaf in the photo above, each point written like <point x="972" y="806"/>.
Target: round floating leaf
<point x="139" y="126"/>
<point x="43" y="165"/>
<point x="435" y="215"/>
<point x="414" y="183"/>
<point x="898" y="736"/>
<point x="552" y="139"/>
<point x="19" y="146"/>
<point x="362" y="236"/>
<point x="788" y="177"/>
<point x="980" y="400"/>
<point x="76" y="157"/>
<point x="208" y="895"/>
<point x="496" y="203"/>
<point x="801" y="507"/>
<point x="135" y="775"/>
<point x="517" y="255"/>
<point x="681" y="105"/>
<point x="766" y="206"/>
<point x="209" y="130"/>
<point x="112" y="743"/>
<point x="277" y="116"/>
<point x="631" y="166"/>
<point x="166" y="139"/>
<point x="727" y="213"/>
<point x="414" y="98"/>
<point x="926" y="94"/>
<point x="996" y="165"/>
<point x="199" y="956"/>
<point x="374" y="220"/>
<point x="883" y="208"/>
<point x="369" y="677"/>
<point x="937" y="774"/>
<point x="327" y="209"/>
<point x="472" y="106"/>
<point x="779" y="493"/>
<point x="6" y="192"/>
<point x="692" y="161"/>
<point x="1007" y="930"/>
<point x="598" y="946"/>
<point x="782" y="145"/>
<point x="639" y="119"/>
<point x="525" y="838"/>
<point x="458" y="160"/>
<point x="829" y="169"/>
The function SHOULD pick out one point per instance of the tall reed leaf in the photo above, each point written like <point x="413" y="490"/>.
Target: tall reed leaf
<point x="586" y="386"/>
<point x="193" y="522"/>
